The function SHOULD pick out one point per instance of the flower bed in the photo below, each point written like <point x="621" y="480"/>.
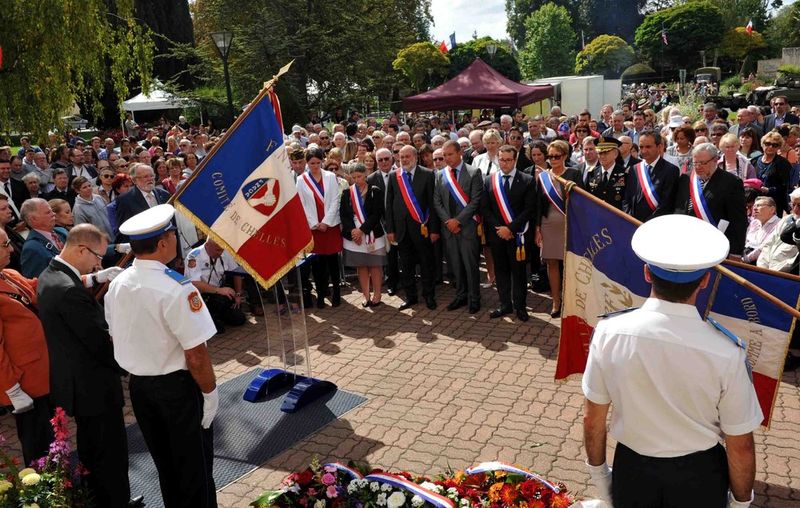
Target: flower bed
<point x="490" y="484"/>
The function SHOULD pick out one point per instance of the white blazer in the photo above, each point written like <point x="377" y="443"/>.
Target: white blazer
<point x="331" y="199"/>
<point x="481" y="161"/>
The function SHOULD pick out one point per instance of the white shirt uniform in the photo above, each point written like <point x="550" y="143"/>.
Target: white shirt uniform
<point x="154" y="314"/>
<point x="200" y="267"/>
<point x="676" y="383"/>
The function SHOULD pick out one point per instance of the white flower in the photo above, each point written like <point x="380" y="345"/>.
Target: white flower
<point x="319" y="504"/>
<point x="396" y="500"/>
<point x="295" y="488"/>
<point x="429" y="486"/>
<point x="362" y="484"/>
<point x="352" y="487"/>
<point x="417" y="501"/>
<point x="386" y="487"/>
<point x="452" y="491"/>
<point x="464" y="502"/>
<point x="31" y="479"/>
<point x="381" y="501"/>
<point x="375" y="486"/>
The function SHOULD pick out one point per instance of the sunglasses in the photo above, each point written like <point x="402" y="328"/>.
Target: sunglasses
<point x="773" y="145"/>
<point x="324" y="138"/>
<point x="438" y="158"/>
<point x="384" y="159"/>
<point x="395" y="151"/>
<point x="779" y="103"/>
<point x="555" y="156"/>
<point x="107" y="175"/>
<point x="701" y="130"/>
<point x="514" y="138"/>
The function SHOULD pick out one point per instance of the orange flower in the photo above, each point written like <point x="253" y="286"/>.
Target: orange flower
<point x="499" y="475"/>
<point x="560" y="500"/>
<point x="494" y="492"/>
<point x="459" y="477"/>
<point x="508" y="494"/>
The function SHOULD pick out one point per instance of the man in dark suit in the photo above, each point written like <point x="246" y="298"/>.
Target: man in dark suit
<point x="780" y="114"/>
<point x="590" y="157"/>
<point x="625" y="157"/>
<point x="84" y="377"/>
<point x="724" y="196"/>
<point x="61" y="188"/>
<point x="15" y="190"/>
<point x="607" y="180"/>
<point x="515" y="139"/>
<point x="44" y="241"/>
<point x="507" y="239"/>
<point x="414" y="239"/>
<point x="141" y="197"/>
<point x="459" y="229"/>
<point x="661" y="176"/>
<point x="380" y="178"/>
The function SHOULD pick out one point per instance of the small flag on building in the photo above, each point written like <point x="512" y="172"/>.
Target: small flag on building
<point x="749" y="27"/>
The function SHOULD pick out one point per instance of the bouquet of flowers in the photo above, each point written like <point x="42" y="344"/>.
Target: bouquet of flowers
<point x="50" y="482"/>
<point x="490" y="484"/>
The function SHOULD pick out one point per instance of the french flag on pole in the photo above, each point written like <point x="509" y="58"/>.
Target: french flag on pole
<point x="603" y="275"/>
<point x="243" y="195"/>
<point x="749" y="27"/>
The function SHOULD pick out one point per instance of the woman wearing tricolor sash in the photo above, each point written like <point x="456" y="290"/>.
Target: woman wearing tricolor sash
<point x="319" y="193"/>
<point x="551" y="217"/>
<point x="361" y="211"/>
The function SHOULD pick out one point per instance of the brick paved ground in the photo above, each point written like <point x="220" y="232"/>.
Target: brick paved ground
<point x="449" y="389"/>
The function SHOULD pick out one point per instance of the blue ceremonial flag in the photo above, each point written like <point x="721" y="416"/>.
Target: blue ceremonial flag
<point x="602" y="275"/>
<point x="243" y="194"/>
<point x="452" y="41"/>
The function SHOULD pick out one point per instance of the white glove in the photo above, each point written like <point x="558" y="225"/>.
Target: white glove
<point x="210" y="406"/>
<point x="102" y="276"/>
<point x="733" y="503"/>
<point x="601" y="478"/>
<point x="19" y="399"/>
<point x="122" y="248"/>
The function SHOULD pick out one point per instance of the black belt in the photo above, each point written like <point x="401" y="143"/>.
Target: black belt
<point x="682" y="460"/>
<point x="178" y="374"/>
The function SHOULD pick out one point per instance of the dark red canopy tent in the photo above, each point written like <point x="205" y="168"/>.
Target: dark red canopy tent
<point x="477" y="86"/>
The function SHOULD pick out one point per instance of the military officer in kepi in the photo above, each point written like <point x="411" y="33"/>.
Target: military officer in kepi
<point x="680" y="386"/>
<point x="159" y="325"/>
<point x="607" y="179"/>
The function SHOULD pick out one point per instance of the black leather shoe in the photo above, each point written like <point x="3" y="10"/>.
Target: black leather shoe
<point x="136" y="501"/>
<point x="555" y="313"/>
<point x="408" y="304"/>
<point x="474" y="309"/>
<point x="522" y="315"/>
<point x="391" y="291"/>
<point x="430" y="303"/>
<point x="496" y="313"/>
<point x="456" y="304"/>
<point x="321" y="302"/>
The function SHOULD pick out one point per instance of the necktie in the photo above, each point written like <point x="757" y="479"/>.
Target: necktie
<point x="489" y="168"/>
<point x="506" y="183"/>
<point x="453" y="203"/>
<point x="648" y="168"/>
<point x="7" y="186"/>
<point x="408" y="177"/>
<point x="151" y="200"/>
<point x="605" y="178"/>
<point x="57" y="241"/>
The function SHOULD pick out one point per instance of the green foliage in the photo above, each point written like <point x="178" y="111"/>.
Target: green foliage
<point x="737" y="43"/>
<point x="690" y="27"/>
<point x="731" y="82"/>
<point x="606" y="54"/>
<point x="789" y="70"/>
<point x="419" y="62"/>
<point x="638" y="69"/>
<point x="464" y="54"/>
<point x="549" y="47"/>
<point x="58" y="56"/>
<point x="343" y="51"/>
<point x="782" y="32"/>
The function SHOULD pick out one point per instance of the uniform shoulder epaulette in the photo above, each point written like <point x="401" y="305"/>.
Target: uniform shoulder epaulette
<point x="177" y="276"/>
<point x="616" y="312"/>
<point x="727" y="333"/>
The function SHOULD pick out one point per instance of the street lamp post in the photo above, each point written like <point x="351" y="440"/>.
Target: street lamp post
<point x="491" y="49"/>
<point x="222" y="41"/>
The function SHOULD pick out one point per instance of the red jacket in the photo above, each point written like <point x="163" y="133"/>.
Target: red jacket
<point x="23" y="348"/>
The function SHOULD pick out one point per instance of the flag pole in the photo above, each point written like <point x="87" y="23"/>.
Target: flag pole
<point x="572" y="187"/>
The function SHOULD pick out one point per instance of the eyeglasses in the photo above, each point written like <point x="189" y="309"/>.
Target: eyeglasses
<point x="514" y="138"/>
<point x="6" y="243"/>
<point x="773" y="145"/>
<point x="98" y="256"/>
<point x="384" y="159"/>
<point x="580" y="130"/>
<point x="395" y="151"/>
<point x="556" y="156"/>
<point x="107" y="175"/>
<point x="779" y="103"/>
<point x="438" y="158"/>
<point x="701" y="130"/>
<point x="324" y="138"/>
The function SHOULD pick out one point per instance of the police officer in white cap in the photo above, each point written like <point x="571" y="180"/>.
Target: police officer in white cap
<point x="159" y="325"/>
<point x="679" y="385"/>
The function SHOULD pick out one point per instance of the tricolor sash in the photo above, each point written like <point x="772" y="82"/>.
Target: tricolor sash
<point x="437" y="500"/>
<point x="455" y="188"/>
<point x="316" y="188"/>
<point x="648" y="188"/>
<point x="488" y="467"/>
<point x="411" y="202"/>
<point x="352" y="473"/>
<point x="506" y="212"/>
<point x="358" y="210"/>
<point x="551" y="191"/>
<point x="699" y="203"/>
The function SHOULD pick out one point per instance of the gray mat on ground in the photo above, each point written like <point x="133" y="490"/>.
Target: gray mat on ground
<point x="245" y="434"/>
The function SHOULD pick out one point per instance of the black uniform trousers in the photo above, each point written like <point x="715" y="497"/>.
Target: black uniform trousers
<point x="34" y="430"/>
<point x="392" y="268"/>
<point x="325" y="267"/>
<point x="169" y="409"/>
<point x="697" y="479"/>
<point x="510" y="274"/>
<point x="103" y="450"/>
<point x="417" y="250"/>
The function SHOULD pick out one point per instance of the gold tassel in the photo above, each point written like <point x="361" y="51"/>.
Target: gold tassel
<point x="518" y="253"/>
<point x="423" y="229"/>
<point x="480" y="233"/>
<point x="522" y="252"/>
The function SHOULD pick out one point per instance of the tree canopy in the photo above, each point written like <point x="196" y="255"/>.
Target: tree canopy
<point x="549" y="49"/>
<point x="58" y="56"/>
<point x="689" y="27"/>
<point x="503" y="61"/>
<point x="606" y="54"/>
<point x="419" y="62"/>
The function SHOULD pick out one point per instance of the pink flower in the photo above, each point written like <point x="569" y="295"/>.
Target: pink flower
<point x="331" y="492"/>
<point x="328" y="479"/>
<point x="312" y="491"/>
<point x="330" y="469"/>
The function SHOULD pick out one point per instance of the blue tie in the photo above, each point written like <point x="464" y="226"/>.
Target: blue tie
<point x="408" y="177"/>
